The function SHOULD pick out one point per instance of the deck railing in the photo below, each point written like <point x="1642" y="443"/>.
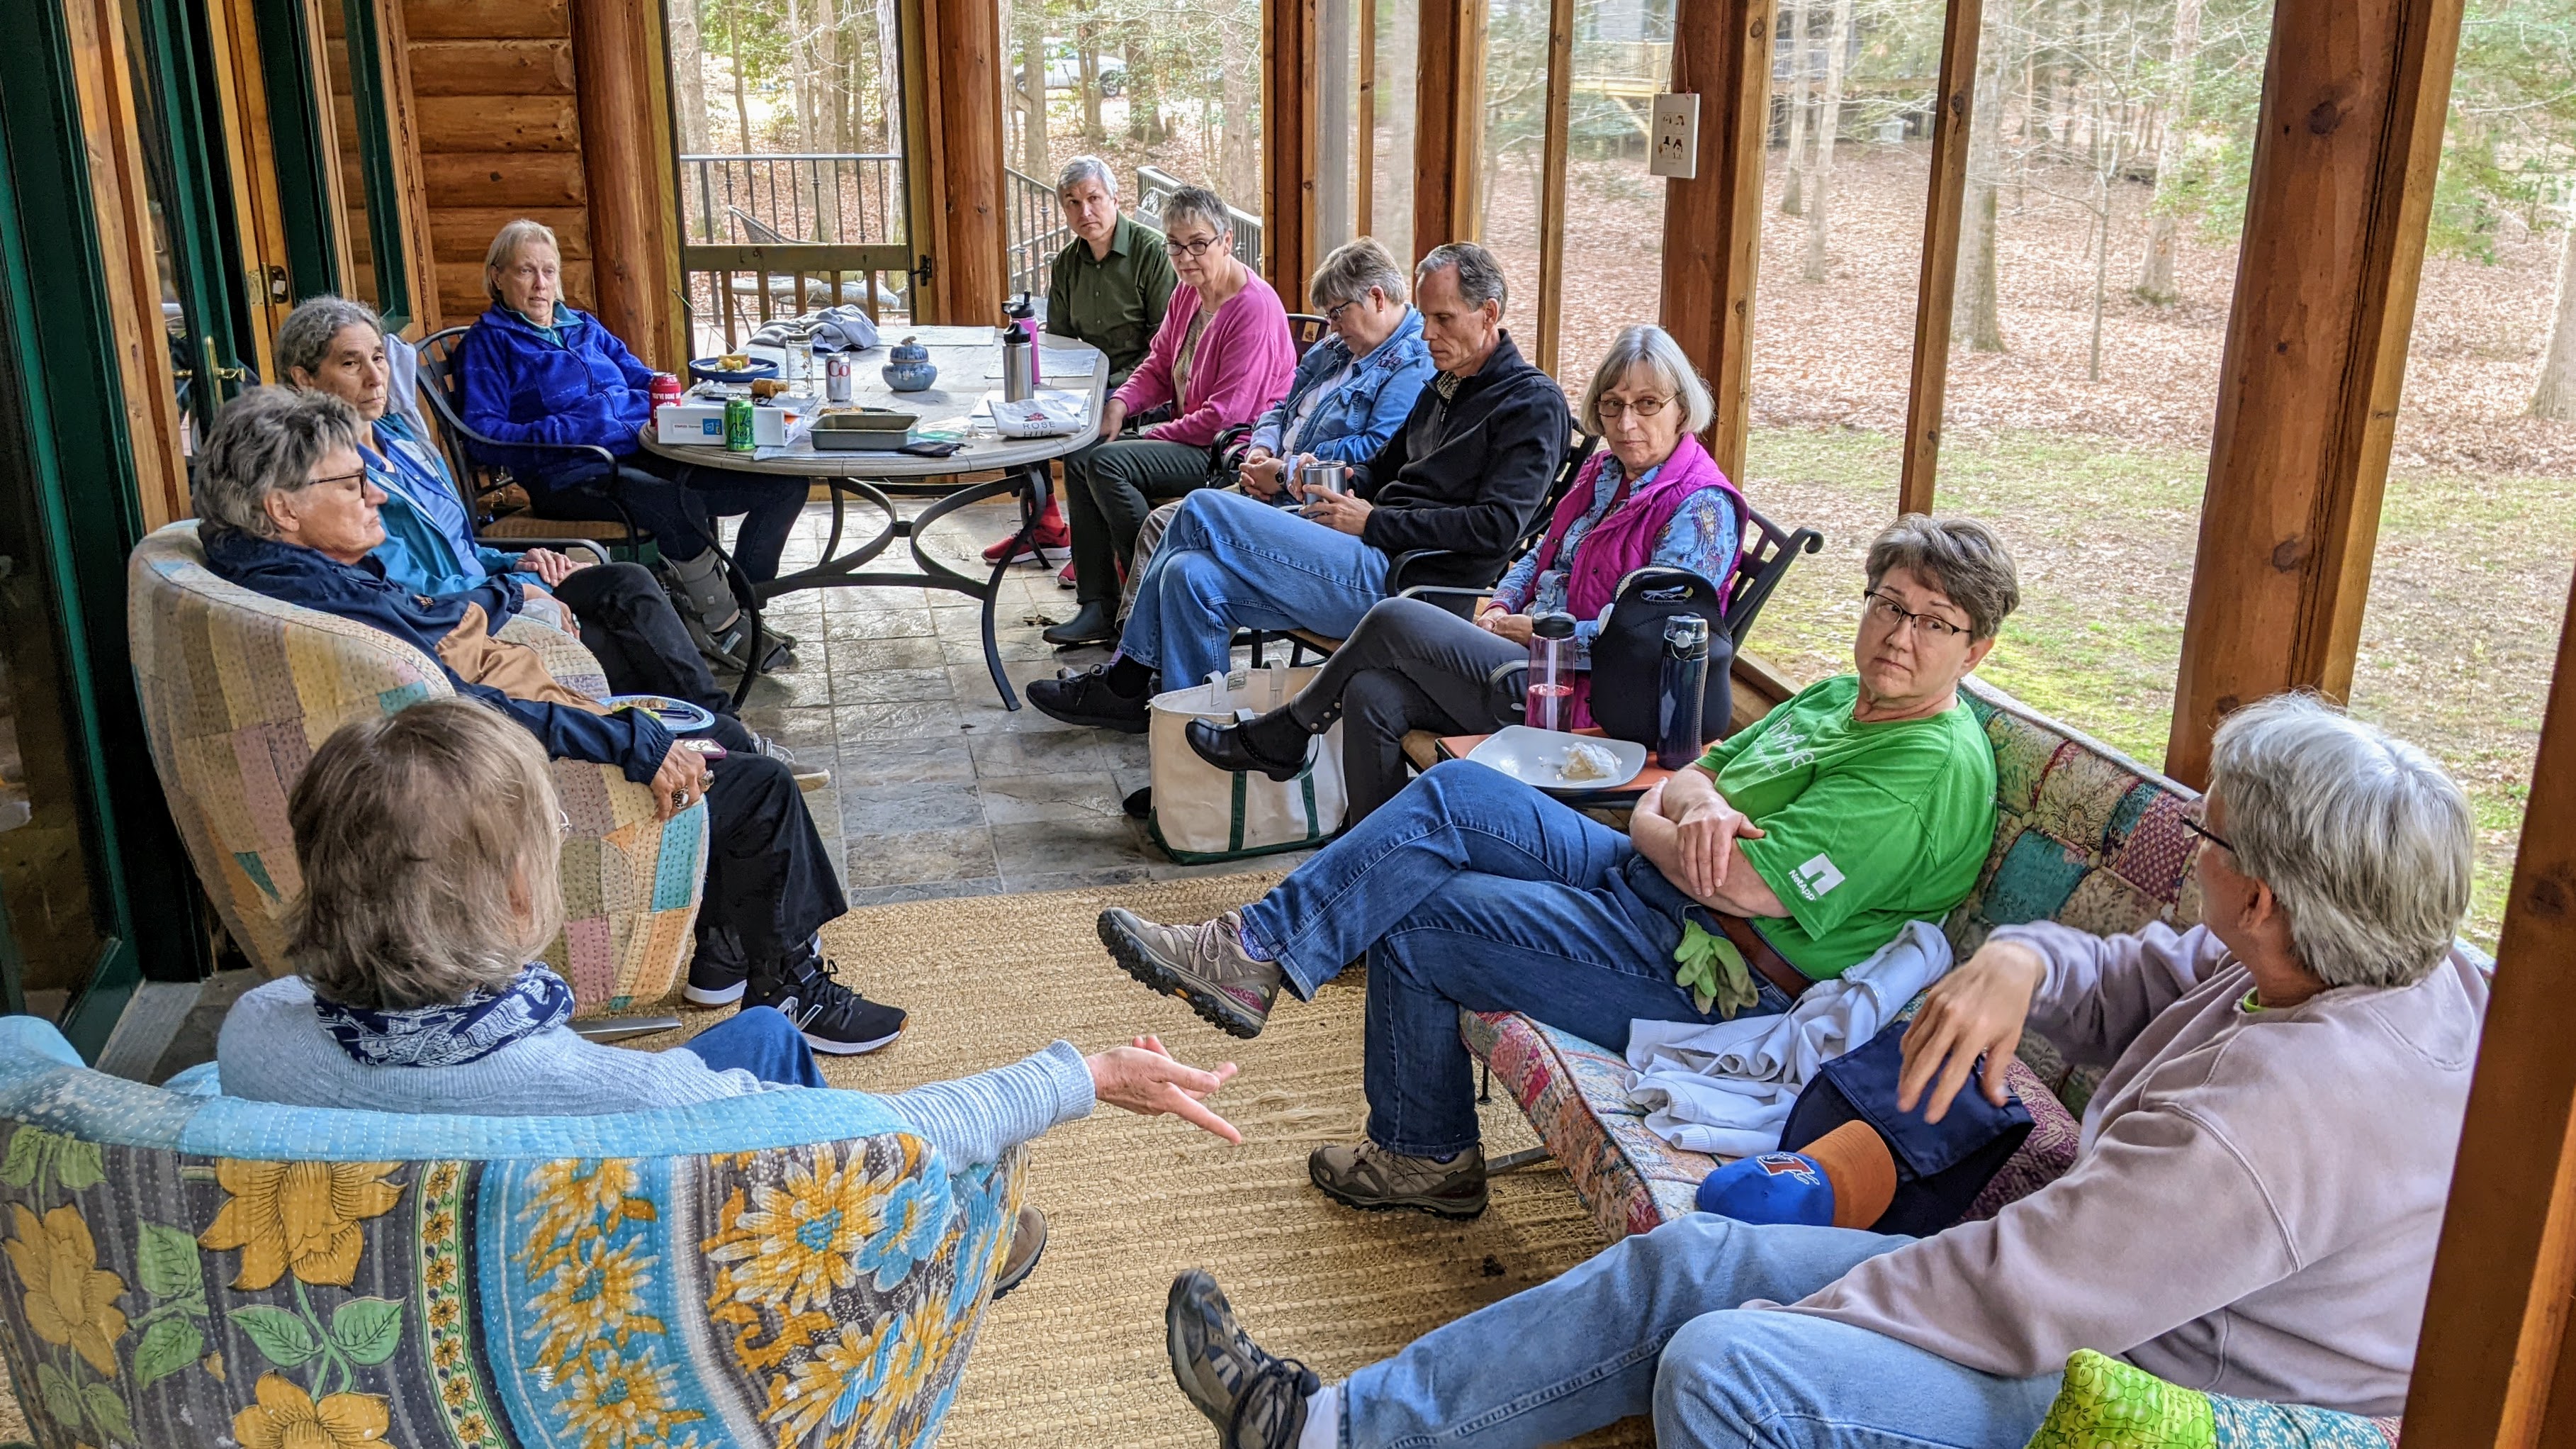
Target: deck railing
<point x="779" y="235"/>
<point x="1038" y="232"/>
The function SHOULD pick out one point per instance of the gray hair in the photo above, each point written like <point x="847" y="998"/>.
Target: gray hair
<point x="1350" y="269"/>
<point x="1480" y="277"/>
<point x="1961" y="557"/>
<point x="267" y="441"/>
<point x="304" y="339"/>
<point x="1197" y="203"/>
<point x="1086" y="168"/>
<point x="505" y="248"/>
<point x="2365" y="842"/>
<point x="429" y="847"/>
<point x="1652" y="348"/>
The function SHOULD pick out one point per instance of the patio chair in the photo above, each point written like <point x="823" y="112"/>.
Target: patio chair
<point x="309" y="1276"/>
<point x="239" y="689"/>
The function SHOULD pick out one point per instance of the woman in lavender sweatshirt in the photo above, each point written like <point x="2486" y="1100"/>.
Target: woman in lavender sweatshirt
<point x="1221" y="357"/>
<point x="426" y="840"/>
<point x="2253" y="1209"/>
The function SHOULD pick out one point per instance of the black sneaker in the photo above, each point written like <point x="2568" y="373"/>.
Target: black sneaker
<point x="1256" y="1400"/>
<point x="834" y="1019"/>
<point x="716" y="972"/>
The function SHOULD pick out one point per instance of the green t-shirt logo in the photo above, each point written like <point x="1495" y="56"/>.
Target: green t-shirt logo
<point x="1817" y="876"/>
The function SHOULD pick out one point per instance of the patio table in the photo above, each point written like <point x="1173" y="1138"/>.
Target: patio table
<point x="970" y="365"/>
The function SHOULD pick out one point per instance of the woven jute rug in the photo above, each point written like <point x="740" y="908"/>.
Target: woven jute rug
<point x="1076" y="1356"/>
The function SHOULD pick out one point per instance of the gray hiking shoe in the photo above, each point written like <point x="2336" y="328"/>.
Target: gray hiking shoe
<point x="1204" y="965"/>
<point x="1255" y="1400"/>
<point x="1368" y="1177"/>
<point x="809" y="778"/>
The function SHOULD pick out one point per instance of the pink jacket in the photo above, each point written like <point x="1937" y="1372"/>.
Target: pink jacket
<point x="1246" y="362"/>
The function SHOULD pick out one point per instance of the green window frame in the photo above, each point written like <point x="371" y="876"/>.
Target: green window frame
<point x="302" y="142"/>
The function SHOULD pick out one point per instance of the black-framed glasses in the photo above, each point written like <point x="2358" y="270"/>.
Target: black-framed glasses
<point x="2191" y="822"/>
<point x="1333" y="314"/>
<point x="1894" y="615"/>
<point x="1197" y="248"/>
<point x="358" y="477"/>
<point x="1644" y="407"/>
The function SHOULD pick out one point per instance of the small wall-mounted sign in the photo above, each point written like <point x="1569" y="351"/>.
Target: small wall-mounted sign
<point x="1676" y="137"/>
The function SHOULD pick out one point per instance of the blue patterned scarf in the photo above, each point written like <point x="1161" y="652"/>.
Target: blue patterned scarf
<point x="453" y="1034"/>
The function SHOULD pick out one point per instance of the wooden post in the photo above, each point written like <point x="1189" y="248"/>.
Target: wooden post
<point x="1288" y="146"/>
<point x="1364" y="201"/>
<point x="1551" y="196"/>
<point x="626" y="163"/>
<point x="1933" y="300"/>
<point x="959" y="214"/>
<point x="2354" y="98"/>
<point x="402" y="132"/>
<point x="1449" y="123"/>
<point x="1713" y="222"/>
<point x="2492" y="1366"/>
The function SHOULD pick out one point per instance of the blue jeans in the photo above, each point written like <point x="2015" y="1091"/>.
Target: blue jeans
<point x="761" y="1041"/>
<point x="1650" y="1325"/>
<point x="1230" y="561"/>
<point x="1473" y="890"/>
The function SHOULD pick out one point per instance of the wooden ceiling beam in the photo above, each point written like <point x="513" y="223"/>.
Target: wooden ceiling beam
<point x="2349" y="137"/>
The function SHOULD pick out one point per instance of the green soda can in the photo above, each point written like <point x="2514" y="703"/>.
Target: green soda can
<point x="738" y="425"/>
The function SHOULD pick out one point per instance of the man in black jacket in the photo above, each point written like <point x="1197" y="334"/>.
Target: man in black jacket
<point x="1463" y="478"/>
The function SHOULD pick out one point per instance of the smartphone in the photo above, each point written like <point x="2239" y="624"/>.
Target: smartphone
<point x="706" y="747"/>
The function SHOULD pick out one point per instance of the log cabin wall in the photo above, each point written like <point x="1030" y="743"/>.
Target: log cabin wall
<point x="500" y="137"/>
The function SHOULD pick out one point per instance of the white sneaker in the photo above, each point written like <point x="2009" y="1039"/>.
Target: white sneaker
<point x="808" y="777"/>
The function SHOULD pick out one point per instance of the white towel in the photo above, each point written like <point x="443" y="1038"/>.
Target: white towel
<point x="1726" y="1088"/>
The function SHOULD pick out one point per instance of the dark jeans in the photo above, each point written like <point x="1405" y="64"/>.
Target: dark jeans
<point x="769" y="885"/>
<point x="678" y="504"/>
<point x="1108" y="489"/>
<point x="628" y="625"/>
<point x="1410" y="665"/>
<point x="1472" y="890"/>
<point x="762" y="1041"/>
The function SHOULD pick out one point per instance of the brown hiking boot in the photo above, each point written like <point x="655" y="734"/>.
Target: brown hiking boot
<point x="1204" y="965"/>
<point x="1367" y="1176"/>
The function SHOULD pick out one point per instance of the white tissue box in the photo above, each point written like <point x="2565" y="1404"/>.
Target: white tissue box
<point x="773" y="424"/>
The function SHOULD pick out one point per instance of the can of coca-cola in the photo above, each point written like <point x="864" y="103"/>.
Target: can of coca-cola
<point x="836" y="378"/>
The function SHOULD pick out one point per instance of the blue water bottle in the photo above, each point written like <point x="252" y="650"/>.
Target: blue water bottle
<point x="1678" y="691"/>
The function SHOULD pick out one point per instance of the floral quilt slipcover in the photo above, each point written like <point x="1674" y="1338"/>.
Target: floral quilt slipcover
<point x="190" y="1270"/>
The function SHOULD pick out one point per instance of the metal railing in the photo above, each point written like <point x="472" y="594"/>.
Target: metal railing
<point x="1154" y="185"/>
<point x="781" y="235"/>
<point x="1037" y="232"/>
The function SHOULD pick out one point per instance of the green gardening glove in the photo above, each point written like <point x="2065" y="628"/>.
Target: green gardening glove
<point x="1714" y="971"/>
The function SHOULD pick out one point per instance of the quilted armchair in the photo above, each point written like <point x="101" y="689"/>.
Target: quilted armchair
<point x="238" y="691"/>
<point x="192" y="1271"/>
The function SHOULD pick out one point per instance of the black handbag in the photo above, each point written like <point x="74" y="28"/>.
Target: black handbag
<point x="1940" y="1166"/>
<point x="1628" y="653"/>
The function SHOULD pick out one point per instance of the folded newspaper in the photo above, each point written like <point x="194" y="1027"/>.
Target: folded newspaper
<point x="1049" y="413"/>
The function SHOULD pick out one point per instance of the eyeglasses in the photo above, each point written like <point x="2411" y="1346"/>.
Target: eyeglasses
<point x="563" y="821"/>
<point x="1894" y="615"/>
<point x="2191" y="822"/>
<point x="358" y="477"/>
<point x="1333" y="315"/>
<point x="1644" y="407"/>
<point x="1197" y="248"/>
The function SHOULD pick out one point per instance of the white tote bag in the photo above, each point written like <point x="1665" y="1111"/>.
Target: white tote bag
<point x="1202" y="813"/>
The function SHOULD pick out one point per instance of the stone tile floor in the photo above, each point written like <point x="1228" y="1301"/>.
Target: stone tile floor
<point x="937" y="790"/>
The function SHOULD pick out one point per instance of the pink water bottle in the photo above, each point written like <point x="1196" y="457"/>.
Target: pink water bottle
<point x="1551" y="673"/>
<point x="1024" y="315"/>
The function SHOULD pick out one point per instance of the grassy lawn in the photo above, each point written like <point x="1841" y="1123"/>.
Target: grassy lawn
<point x="2469" y="584"/>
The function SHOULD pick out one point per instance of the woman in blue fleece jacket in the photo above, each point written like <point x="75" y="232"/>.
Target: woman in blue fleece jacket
<point x="534" y="370"/>
<point x="288" y="512"/>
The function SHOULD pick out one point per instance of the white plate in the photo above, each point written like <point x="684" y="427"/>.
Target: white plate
<point x="1537" y="757"/>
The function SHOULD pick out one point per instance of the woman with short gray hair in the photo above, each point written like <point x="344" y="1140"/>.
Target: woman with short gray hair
<point x="1652" y="497"/>
<point x="1220" y="359"/>
<point x="426" y="844"/>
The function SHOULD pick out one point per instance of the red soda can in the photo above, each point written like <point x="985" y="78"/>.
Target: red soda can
<point x="666" y="390"/>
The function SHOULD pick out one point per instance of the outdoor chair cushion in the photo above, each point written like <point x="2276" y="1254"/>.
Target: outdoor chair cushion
<point x="199" y="1272"/>
<point x="239" y="689"/>
<point x="2107" y="1404"/>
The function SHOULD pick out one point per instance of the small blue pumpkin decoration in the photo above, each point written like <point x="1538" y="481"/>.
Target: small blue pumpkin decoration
<point x="910" y="369"/>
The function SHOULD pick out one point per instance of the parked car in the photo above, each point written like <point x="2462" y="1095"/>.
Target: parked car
<point x="1064" y="68"/>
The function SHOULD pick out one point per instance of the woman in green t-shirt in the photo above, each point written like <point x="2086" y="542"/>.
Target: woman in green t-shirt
<point x="1786" y="856"/>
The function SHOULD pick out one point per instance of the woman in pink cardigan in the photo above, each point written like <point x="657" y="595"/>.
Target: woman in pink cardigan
<point x="1222" y="357"/>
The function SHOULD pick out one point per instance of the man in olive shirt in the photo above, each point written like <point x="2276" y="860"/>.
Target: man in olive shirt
<point x="1108" y="287"/>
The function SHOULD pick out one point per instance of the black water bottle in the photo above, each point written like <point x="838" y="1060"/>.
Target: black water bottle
<point x="1677" y="692"/>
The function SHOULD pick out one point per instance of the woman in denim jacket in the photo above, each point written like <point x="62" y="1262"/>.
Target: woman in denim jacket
<point x="1351" y="392"/>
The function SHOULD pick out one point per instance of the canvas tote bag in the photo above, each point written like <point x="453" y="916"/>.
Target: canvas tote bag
<point x="1202" y="813"/>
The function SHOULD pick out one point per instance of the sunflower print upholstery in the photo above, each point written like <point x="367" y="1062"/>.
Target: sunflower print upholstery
<point x="189" y="1271"/>
<point x="239" y="689"/>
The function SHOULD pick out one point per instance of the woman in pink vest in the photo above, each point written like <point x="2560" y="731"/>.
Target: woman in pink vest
<point x="1651" y="496"/>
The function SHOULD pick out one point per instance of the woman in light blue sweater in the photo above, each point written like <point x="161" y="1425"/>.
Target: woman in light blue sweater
<point x="427" y="840"/>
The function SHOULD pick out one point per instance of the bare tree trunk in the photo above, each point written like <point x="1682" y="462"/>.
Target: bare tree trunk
<point x="800" y="71"/>
<point x="1141" y="96"/>
<point x="2555" y="397"/>
<point x="1793" y="180"/>
<point x="831" y="122"/>
<point x="689" y="76"/>
<point x="1239" y="163"/>
<point x="1087" y="41"/>
<point x="741" y="100"/>
<point x="1829" y="119"/>
<point x="1028" y="22"/>
<point x="890" y="74"/>
<point x="1975" y="317"/>
<point x="1399" y="36"/>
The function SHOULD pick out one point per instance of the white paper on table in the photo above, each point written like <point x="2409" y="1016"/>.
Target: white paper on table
<point x="799" y="433"/>
<point x="1048" y="413"/>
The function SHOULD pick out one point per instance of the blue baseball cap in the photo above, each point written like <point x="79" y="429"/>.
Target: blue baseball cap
<point x="1844" y="1179"/>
